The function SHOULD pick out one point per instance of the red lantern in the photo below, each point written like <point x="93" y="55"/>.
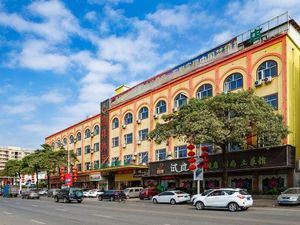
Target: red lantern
<point x="191" y="160"/>
<point x="204" y="156"/>
<point x="62" y="174"/>
<point x="191" y="153"/>
<point x="190" y="147"/>
<point x="192" y="167"/>
<point x="75" y="173"/>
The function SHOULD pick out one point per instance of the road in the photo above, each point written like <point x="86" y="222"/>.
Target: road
<point x="16" y="211"/>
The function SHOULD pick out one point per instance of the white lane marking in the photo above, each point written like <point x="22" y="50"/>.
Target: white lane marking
<point x="104" y="216"/>
<point x="7" y="213"/>
<point x="36" y="221"/>
<point x="35" y="205"/>
<point x="61" y="210"/>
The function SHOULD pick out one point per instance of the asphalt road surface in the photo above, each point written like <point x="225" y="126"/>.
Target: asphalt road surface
<point x="16" y="211"/>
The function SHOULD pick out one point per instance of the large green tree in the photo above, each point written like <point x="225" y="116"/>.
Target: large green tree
<point x="223" y="120"/>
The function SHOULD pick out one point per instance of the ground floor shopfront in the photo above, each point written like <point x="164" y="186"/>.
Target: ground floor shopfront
<point x="259" y="171"/>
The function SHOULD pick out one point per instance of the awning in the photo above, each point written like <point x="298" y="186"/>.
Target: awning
<point x="123" y="168"/>
<point x="126" y="177"/>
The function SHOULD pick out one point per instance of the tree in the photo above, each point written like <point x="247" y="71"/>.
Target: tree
<point x="12" y="168"/>
<point x="223" y="120"/>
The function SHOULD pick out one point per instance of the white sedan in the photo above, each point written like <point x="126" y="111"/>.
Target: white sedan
<point x="94" y="193"/>
<point x="171" y="197"/>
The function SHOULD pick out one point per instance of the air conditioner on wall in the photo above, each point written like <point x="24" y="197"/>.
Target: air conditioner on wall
<point x="124" y="126"/>
<point x="268" y="79"/>
<point x="138" y="121"/>
<point x="155" y="116"/>
<point x="139" y="142"/>
<point x="258" y="83"/>
<point x="175" y="109"/>
<point x="124" y="145"/>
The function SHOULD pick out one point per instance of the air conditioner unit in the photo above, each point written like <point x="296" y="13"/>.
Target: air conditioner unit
<point x="92" y="134"/>
<point x="138" y="121"/>
<point x="124" y="126"/>
<point x="258" y="83"/>
<point x="175" y="109"/>
<point x="268" y="79"/>
<point x="139" y="142"/>
<point x="124" y="145"/>
<point x="75" y="140"/>
<point x="155" y="116"/>
<point x="92" y="151"/>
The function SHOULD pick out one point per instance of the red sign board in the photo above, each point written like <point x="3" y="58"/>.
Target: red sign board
<point x="68" y="179"/>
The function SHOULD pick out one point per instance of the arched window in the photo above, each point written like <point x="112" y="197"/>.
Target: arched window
<point x="143" y="113"/>
<point x="65" y="141"/>
<point x="161" y="107"/>
<point x="78" y="136"/>
<point x="233" y="81"/>
<point x="71" y="139"/>
<point x="204" y="91"/>
<point x="115" y="123"/>
<point x="87" y="133"/>
<point x="53" y="145"/>
<point x="180" y="100"/>
<point x="58" y="143"/>
<point x="267" y="69"/>
<point x="128" y="118"/>
<point x="96" y="130"/>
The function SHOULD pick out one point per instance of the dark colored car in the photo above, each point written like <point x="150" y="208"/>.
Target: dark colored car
<point x="69" y="195"/>
<point x="112" y="195"/>
<point x="148" y="193"/>
<point x="52" y="192"/>
<point x="30" y="195"/>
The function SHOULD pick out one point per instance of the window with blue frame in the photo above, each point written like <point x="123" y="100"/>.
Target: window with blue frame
<point x="78" y="136"/>
<point x="78" y="167"/>
<point x="78" y="151"/>
<point x="115" y="123"/>
<point x="272" y="100"/>
<point x="143" y="157"/>
<point x="87" y="133"/>
<point x="127" y="159"/>
<point x="180" y="151"/>
<point x="71" y="139"/>
<point x="267" y="69"/>
<point x="115" y="142"/>
<point x="128" y="118"/>
<point x="115" y="161"/>
<point x="233" y="81"/>
<point x="160" y="154"/>
<point x="96" y="130"/>
<point x="143" y="113"/>
<point x="143" y="134"/>
<point x="128" y="138"/>
<point x="65" y="141"/>
<point x="180" y="100"/>
<point x="96" y="164"/>
<point x="161" y="107"/>
<point x="96" y="147"/>
<point x="87" y="165"/>
<point x="204" y="91"/>
<point x="87" y="149"/>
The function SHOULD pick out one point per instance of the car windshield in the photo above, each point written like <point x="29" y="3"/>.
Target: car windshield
<point x="179" y="192"/>
<point x="126" y="190"/>
<point x="75" y="190"/>
<point x="206" y="192"/>
<point x="292" y="191"/>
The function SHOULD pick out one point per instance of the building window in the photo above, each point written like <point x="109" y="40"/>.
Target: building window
<point x="53" y="145"/>
<point x="160" y="154"/>
<point x="87" y="133"/>
<point x="209" y="146"/>
<point x="78" y="136"/>
<point x="233" y="147"/>
<point x="78" y="151"/>
<point x="96" y="130"/>
<point x="87" y="166"/>
<point x="96" y="147"/>
<point x="115" y="142"/>
<point x="180" y="100"/>
<point x="128" y="138"/>
<point x="143" y="157"/>
<point x="65" y="141"/>
<point x="272" y="100"/>
<point x="180" y="151"/>
<point x="115" y="123"/>
<point x="267" y="69"/>
<point x="127" y="159"/>
<point x="233" y="81"/>
<point x="161" y="107"/>
<point x="143" y="134"/>
<point x="143" y="113"/>
<point x="115" y="161"/>
<point x="128" y="118"/>
<point x="204" y="91"/>
<point x="71" y="139"/>
<point x="58" y="143"/>
<point x="87" y="149"/>
<point x="96" y="164"/>
<point x="78" y="167"/>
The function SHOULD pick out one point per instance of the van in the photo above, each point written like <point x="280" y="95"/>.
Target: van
<point x="133" y="192"/>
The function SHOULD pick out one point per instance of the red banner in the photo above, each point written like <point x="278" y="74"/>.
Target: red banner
<point x="68" y="179"/>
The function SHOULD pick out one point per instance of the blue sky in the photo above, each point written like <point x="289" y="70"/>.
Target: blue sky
<point x="60" y="59"/>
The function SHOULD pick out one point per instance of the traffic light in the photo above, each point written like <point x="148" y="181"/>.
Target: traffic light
<point x="62" y="174"/>
<point x="75" y="173"/>
<point x="204" y="156"/>
<point x="192" y="159"/>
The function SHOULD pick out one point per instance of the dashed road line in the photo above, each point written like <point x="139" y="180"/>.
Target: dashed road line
<point x="104" y="216"/>
<point x="64" y="210"/>
<point x="36" y="221"/>
<point x="7" y="213"/>
<point x="35" y="205"/>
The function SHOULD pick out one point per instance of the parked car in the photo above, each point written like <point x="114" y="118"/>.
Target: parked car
<point x="43" y="192"/>
<point x="95" y="193"/>
<point x="30" y="194"/>
<point x="133" y="192"/>
<point x="111" y="195"/>
<point x="172" y="197"/>
<point x="201" y="194"/>
<point x="86" y="193"/>
<point x="69" y="194"/>
<point x="52" y="192"/>
<point x="148" y="193"/>
<point x="233" y="199"/>
<point x="290" y="196"/>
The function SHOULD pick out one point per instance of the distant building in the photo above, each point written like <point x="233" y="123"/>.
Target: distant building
<point x="11" y="152"/>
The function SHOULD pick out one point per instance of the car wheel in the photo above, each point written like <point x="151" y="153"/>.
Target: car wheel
<point x="100" y="198"/>
<point x="56" y="199"/>
<point x="65" y="200"/>
<point x="155" y="201"/>
<point x="112" y="199"/>
<point x="173" y="202"/>
<point x="79" y="201"/>
<point x="141" y="198"/>
<point x="233" y="207"/>
<point x="38" y="198"/>
<point x="199" y="205"/>
<point x="244" y="209"/>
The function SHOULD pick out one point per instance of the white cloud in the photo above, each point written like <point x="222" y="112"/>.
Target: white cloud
<point x="91" y="16"/>
<point x="20" y="108"/>
<point x="115" y="2"/>
<point x="222" y="37"/>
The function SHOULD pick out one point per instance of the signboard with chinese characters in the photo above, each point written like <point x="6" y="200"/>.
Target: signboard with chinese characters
<point x="96" y="177"/>
<point x="104" y="131"/>
<point x="273" y="157"/>
<point x="198" y="172"/>
<point x="68" y="179"/>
